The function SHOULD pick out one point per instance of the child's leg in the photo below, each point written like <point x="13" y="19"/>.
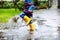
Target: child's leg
<point x="31" y="26"/>
<point x="28" y="21"/>
<point x="26" y="18"/>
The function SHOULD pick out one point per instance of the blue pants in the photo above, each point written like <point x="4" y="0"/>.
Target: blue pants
<point x="22" y="16"/>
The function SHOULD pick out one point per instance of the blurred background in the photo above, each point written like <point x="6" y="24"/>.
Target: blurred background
<point x="9" y="8"/>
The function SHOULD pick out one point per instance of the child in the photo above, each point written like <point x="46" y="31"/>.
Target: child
<point x="27" y="13"/>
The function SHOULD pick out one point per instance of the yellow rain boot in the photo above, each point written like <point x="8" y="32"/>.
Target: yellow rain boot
<point x="27" y="19"/>
<point x="31" y="27"/>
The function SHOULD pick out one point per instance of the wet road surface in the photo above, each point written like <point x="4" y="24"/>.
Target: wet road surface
<point x="46" y="23"/>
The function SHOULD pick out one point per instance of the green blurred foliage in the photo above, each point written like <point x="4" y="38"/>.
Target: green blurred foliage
<point x="36" y="2"/>
<point x="20" y="3"/>
<point x="9" y="4"/>
<point x="43" y="4"/>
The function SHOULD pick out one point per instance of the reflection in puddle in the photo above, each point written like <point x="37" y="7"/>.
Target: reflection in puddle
<point x="31" y="35"/>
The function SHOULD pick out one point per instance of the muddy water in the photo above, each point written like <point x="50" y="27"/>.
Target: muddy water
<point x="46" y="24"/>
